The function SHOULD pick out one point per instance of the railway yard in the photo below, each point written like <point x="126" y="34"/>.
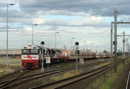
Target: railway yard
<point x="61" y="76"/>
<point x="37" y="67"/>
<point x="64" y="44"/>
<point x="54" y="74"/>
<point x="43" y="67"/>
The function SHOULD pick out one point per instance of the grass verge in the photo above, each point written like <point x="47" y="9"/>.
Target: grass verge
<point x="66" y="75"/>
<point x="108" y="80"/>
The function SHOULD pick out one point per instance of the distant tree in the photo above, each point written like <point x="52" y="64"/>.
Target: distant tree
<point x="104" y="51"/>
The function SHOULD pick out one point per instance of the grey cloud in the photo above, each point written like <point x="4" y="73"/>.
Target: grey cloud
<point x="31" y="8"/>
<point x="95" y="7"/>
<point x="3" y="30"/>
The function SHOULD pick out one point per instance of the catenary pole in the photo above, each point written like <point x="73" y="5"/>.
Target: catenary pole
<point x="115" y="40"/>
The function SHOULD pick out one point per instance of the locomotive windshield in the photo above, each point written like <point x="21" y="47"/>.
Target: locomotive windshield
<point x="30" y="51"/>
<point x="25" y="51"/>
<point x="34" y="50"/>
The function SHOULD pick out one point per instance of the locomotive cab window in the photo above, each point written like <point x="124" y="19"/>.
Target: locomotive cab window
<point x="25" y="51"/>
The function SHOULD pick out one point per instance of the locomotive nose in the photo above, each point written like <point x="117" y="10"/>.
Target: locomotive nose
<point x="30" y="65"/>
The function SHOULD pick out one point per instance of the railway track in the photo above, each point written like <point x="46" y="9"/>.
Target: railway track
<point x="9" y="76"/>
<point x="6" y="79"/>
<point x="68" y="81"/>
<point x="128" y="81"/>
<point x="20" y="80"/>
<point x="13" y="75"/>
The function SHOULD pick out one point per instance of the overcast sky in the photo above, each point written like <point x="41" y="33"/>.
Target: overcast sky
<point x="87" y="21"/>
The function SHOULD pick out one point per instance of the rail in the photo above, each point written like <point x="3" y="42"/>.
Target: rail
<point x="27" y="78"/>
<point x="128" y="79"/>
<point x="12" y="76"/>
<point x="65" y="82"/>
<point x="19" y="80"/>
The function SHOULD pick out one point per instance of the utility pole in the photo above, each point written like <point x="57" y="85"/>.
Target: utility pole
<point x="115" y="40"/>
<point x="72" y="43"/>
<point x="111" y="42"/>
<point x="115" y="37"/>
<point x="124" y="40"/>
<point x="7" y="67"/>
<point x="55" y="38"/>
<point x="33" y="32"/>
<point x="123" y="48"/>
<point x="127" y="46"/>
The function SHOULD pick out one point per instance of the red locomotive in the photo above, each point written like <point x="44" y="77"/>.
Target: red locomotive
<point x="32" y="56"/>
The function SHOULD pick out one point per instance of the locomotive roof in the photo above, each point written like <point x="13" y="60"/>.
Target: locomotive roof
<point x="51" y="48"/>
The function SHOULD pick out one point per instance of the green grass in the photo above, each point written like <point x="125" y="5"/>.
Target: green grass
<point x="109" y="80"/>
<point x="103" y="64"/>
<point x="14" y="64"/>
<point x="66" y="75"/>
<point x="112" y="78"/>
<point x="11" y="61"/>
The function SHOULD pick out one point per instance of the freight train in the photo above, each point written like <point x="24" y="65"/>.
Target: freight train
<point x="33" y="56"/>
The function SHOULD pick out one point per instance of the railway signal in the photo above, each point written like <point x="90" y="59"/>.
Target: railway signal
<point x="76" y="52"/>
<point x="42" y="69"/>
